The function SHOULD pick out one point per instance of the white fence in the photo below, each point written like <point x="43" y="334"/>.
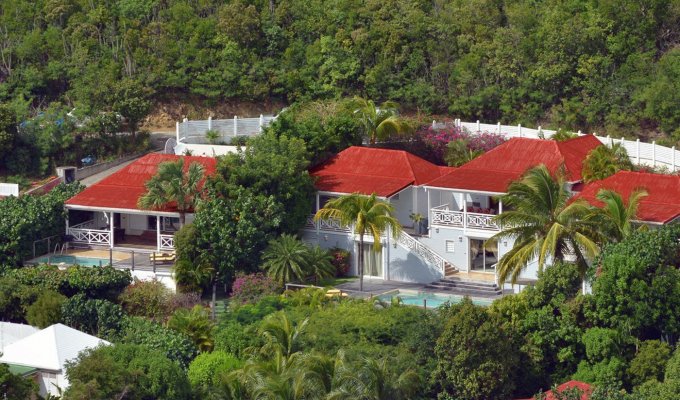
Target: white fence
<point x="194" y="132"/>
<point x="640" y="153"/>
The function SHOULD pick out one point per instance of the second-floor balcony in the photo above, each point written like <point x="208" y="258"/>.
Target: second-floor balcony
<point x="326" y="225"/>
<point x="480" y="219"/>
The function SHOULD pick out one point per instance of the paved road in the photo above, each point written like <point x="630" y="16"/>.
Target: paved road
<point x="157" y="139"/>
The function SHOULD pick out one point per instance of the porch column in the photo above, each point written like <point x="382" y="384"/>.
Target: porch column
<point x="463" y="196"/>
<point x="111" y="230"/>
<point x="67" y="215"/>
<point x="158" y="233"/>
<point x="500" y="206"/>
<point x="429" y="213"/>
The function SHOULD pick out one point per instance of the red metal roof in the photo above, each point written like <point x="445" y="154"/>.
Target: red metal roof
<point x="494" y="170"/>
<point x="122" y="189"/>
<point x="662" y="203"/>
<point x="586" y="390"/>
<point x="370" y="170"/>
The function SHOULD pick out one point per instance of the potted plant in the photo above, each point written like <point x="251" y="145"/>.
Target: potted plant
<point x="418" y="220"/>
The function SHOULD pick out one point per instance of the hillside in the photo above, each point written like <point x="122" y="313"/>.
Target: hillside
<point x="605" y="65"/>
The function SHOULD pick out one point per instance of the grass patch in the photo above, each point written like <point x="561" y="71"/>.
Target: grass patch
<point x="337" y="281"/>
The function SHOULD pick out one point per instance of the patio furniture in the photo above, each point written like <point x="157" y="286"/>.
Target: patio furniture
<point x="162" y="257"/>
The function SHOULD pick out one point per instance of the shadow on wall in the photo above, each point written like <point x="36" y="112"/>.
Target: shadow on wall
<point x="407" y="267"/>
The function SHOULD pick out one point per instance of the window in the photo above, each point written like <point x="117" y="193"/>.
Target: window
<point x="450" y="246"/>
<point x="170" y="224"/>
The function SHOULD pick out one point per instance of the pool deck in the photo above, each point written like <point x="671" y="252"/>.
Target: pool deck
<point x="121" y="259"/>
<point x="376" y="287"/>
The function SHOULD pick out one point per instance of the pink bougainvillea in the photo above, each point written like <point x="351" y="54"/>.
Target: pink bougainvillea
<point x="250" y="288"/>
<point x="437" y="139"/>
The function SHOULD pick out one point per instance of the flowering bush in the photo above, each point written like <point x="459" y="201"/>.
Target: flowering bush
<point x="438" y="139"/>
<point x="340" y="261"/>
<point x="251" y="288"/>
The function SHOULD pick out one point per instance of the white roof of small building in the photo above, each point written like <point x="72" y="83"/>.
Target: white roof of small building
<point x="11" y="332"/>
<point x="50" y="348"/>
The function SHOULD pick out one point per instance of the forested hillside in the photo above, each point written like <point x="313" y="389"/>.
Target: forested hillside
<point x="580" y="64"/>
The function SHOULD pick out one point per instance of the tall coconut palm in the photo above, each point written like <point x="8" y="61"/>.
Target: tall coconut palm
<point x="381" y="122"/>
<point x="368" y="215"/>
<point x="544" y="225"/>
<point x="285" y="259"/>
<point x="172" y="184"/>
<point x="604" y="161"/>
<point x="615" y="217"/>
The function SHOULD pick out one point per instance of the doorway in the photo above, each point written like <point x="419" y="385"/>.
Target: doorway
<point x="483" y="255"/>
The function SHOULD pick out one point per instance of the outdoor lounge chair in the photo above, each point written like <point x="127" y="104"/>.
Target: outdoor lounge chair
<point x="162" y="257"/>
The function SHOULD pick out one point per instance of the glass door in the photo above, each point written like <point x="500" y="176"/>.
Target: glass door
<point x="483" y="255"/>
<point x="373" y="265"/>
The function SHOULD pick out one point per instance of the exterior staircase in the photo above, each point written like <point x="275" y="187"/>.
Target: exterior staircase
<point x="456" y="285"/>
<point x="425" y="253"/>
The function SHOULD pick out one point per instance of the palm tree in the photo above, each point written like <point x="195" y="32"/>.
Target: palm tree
<point x="196" y="324"/>
<point x="615" y="217"/>
<point x="172" y="184"/>
<point x="458" y="153"/>
<point x="193" y="275"/>
<point x="379" y="122"/>
<point x="544" y="224"/>
<point x="319" y="263"/>
<point x="285" y="259"/>
<point x="368" y="214"/>
<point x="604" y="161"/>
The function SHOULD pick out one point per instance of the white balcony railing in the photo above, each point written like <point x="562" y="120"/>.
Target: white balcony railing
<point x="330" y="225"/>
<point x="91" y="236"/>
<point x="442" y="216"/>
<point x="481" y="221"/>
<point x="166" y="242"/>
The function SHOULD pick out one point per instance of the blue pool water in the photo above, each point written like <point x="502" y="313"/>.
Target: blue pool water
<point x="434" y="300"/>
<point x="71" y="260"/>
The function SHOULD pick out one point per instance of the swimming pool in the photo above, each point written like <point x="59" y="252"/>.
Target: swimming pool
<point x="73" y="260"/>
<point x="433" y="300"/>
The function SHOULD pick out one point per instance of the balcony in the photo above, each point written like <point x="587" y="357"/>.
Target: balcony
<point x="326" y="225"/>
<point x="442" y="216"/>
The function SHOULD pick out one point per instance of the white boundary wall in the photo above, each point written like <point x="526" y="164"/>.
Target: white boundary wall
<point x="193" y="132"/>
<point x="640" y="153"/>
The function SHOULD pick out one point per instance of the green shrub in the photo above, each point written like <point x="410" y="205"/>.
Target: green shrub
<point x="26" y="219"/>
<point x="15" y="298"/>
<point x="125" y="371"/>
<point x="233" y="338"/>
<point x="207" y="367"/>
<point x="174" y="345"/>
<point x="649" y="362"/>
<point x="95" y="283"/>
<point x="149" y="299"/>
<point x="46" y="310"/>
<point x="476" y="357"/>
<point x="100" y="318"/>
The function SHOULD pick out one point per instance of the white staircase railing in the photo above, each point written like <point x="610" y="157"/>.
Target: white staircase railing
<point x="410" y="243"/>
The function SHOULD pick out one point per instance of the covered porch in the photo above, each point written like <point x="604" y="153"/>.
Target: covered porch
<point x="473" y="212"/>
<point x="132" y="229"/>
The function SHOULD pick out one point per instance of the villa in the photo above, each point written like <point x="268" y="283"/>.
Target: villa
<point x="457" y="206"/>
<point x="106" y="213"/>
<point x="42" y="356"/>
